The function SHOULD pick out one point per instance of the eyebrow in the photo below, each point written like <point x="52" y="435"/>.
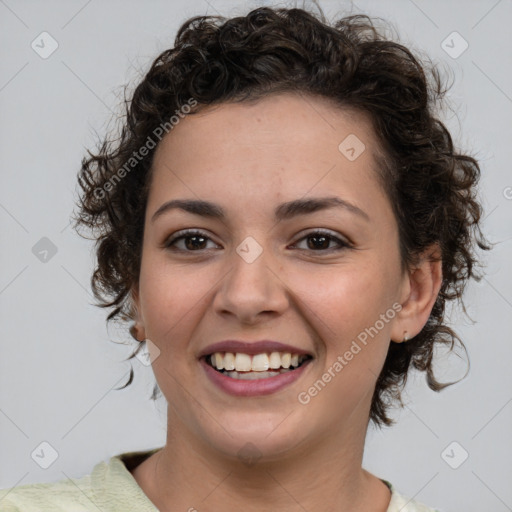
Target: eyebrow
<point x="284" y="211"/>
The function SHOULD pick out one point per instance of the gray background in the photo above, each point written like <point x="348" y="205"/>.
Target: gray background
<point x="58" y="364"/>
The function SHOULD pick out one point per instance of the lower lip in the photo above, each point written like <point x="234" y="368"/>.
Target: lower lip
<point x="256" y="387"/>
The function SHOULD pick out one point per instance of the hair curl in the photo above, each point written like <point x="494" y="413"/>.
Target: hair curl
<point x="431" y="186"/>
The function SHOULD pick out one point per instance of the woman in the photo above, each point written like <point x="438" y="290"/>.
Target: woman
<point x="283" y="220"/>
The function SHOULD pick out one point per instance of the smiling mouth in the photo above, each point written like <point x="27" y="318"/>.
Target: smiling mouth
<point x="259" y="366"/>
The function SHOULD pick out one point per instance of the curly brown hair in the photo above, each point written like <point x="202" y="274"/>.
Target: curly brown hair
<point x="431" y="186"/>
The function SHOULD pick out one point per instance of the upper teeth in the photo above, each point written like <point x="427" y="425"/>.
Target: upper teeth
<point x="256" y="363"/>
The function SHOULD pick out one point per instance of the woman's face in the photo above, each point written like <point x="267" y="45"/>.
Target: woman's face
<point x="261" y="271"/>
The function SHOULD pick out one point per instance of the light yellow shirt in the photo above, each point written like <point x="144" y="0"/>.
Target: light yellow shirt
<point x="111" y="488"/>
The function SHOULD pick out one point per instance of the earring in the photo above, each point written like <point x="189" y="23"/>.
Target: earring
<point x="406" y="337"/>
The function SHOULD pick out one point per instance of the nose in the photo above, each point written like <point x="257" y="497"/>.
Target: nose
<point x="251" y="291"/>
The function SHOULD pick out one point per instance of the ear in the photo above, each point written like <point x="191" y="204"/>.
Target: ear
<point x="137" y="330"/>
<point x="421" y="287"/>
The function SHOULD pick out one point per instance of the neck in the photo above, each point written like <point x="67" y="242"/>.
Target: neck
<point x="188" y="475"/>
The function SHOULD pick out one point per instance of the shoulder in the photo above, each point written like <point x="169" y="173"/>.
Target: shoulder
<point x="402" y="503"/>
<point x="110" y="488"/>
<point x="72" y="495"/>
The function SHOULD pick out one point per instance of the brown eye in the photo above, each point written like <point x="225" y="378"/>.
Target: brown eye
<point x="189" y="241"/>
<point x="320" y="241"/>
<point x="193" y="242"/>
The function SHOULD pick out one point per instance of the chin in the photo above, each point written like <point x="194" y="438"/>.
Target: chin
<point x="249" y="439"/>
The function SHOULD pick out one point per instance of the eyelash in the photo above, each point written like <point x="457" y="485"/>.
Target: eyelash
<point x="168" y="244"/>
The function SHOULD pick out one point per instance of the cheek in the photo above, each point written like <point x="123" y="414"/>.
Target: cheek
<point x="346" y="297"/>
<point x="344" y="307"/>
<point x="172" y="308"/>
<point x="171" y="297"/>
<point x="345" y="313"/>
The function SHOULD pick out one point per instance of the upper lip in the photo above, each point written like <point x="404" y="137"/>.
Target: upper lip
<point x="251" y="348"/>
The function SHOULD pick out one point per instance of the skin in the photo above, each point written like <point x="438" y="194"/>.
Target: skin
<point x="248" y="158"/>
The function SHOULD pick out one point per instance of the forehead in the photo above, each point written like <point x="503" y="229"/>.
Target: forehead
<point x="282" y="146"/>
<point x="287" y="118"/>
